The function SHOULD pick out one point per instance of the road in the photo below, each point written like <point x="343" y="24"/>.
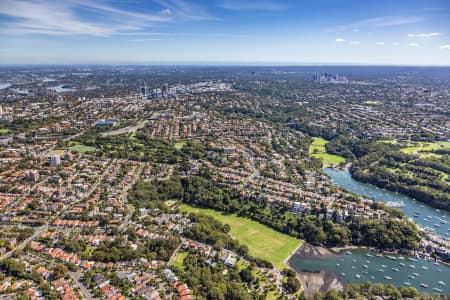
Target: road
<point x="22" y="245"/>
<point x="76" y="279"/>
<point x="124" y="198"/>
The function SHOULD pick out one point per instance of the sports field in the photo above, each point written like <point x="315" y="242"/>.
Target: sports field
<point x="317" y="150"/>
<point x="423" y="146"/>
<point x="262" y="241"/>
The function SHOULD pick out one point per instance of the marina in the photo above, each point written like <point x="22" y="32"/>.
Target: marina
<point x="432" y="220"/>
<point x="353" y="268"/>
<point x="358" y="266"/>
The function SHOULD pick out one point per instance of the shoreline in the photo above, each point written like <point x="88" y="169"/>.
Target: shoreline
<point x="313" y="281"/>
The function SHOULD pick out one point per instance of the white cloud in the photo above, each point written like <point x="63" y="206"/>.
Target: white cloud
<point x="55" y="17"/>
<point x="384" y="21"/>
<point x="340" y="40"/>
<point x="354" y="42"/>
<point x="413" y="45"/>
<point x="445" y="47"/>
<point x="424" y="35"/>
<point x="395" y="43"/>
<point x="379" y="43"/>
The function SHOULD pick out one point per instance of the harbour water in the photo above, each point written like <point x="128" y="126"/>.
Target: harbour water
<point x="361" y="266"/>
<point x="62" y="88"/>
<point x="4" y="85"/>
<point x="422" y="214"/>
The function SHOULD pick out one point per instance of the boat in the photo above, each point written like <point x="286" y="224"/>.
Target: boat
<point x="337" y="265"/>
<point x="406" y="283"/>
<point x="429" y="217"/>
<point x="384" y="266"/>
<point x="401" y="257"/>
<point x="412" y="266"/>
<point x="369" y="255"/>
<point x="424" y="267"/>
<point x="381" y="270"/>
<point x="412" y="277"/>
<point x="388" y="277"/>
<point x="392" y="257"/>
<point x="441" y="283"/>
<point x="358" y="276"/>
<point x="438" y="290"/>
<point x="371" y="277"/>
<point x="353" y="267"/>
<point x="348" y="253"/>
<point x="381" y="255"/>
<point x="415" y="274"/>
<point x="412" y="259"/>
<point x="438" y="210"/>
<point x="368" y="261"/>
<point x="343" y="274"/>
<point x="365" y="266"/>
<point x="395" y="269"/>
<point x="424" y="285"/>
<point x="437" y="225"/>
<point x="402" y="264"/>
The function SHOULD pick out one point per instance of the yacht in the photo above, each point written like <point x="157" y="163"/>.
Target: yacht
<point x="406" y="283"/>
<point x="412" y="259"/>
<point x="353" y="267"/>
<point x="388" y="277"/>
<point x="343" y="274"/>
<point x="381" y="270"/>
<point x="402" y="264"/>
<point x="412" y="277"/>
<point x="369" y="255"/>
<point x="358" y="276"/>
<point x="348" y="253"/>
<point x="412" y="266"/>
<point x="415" y="274"/>
<point x="381" y="255"/>
<point x="395" y="269"/>
<point x="438" y="290"/>
<point x="365" y="266"/>
<point x="424" y="285"/>
<point x="337" y="265"/>
<point x="441" y="283"/>
<point x="424" y="267"/>
<point x="436" y="264"/>
<point x="384" y="266"/>
<point x="437" y="225"/>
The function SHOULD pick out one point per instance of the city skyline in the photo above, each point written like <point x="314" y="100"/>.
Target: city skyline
<point x="225" y="32"/>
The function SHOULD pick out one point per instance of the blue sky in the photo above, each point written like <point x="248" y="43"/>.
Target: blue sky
<point x="409" y="32"/>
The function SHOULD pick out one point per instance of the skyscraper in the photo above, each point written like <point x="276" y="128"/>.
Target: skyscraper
<point x="55" y="160"/>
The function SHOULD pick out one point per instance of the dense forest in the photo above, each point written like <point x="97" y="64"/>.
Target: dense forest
<point x="199" y="191"/>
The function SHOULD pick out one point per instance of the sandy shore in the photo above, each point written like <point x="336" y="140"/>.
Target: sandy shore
<point x="317" y="281"/>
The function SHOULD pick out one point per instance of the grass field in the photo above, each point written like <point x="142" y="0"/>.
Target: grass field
<point x="75" y="147"/>
<point x="179" y="145"/>
<point x="424" y="147"/>
<point x="178" y="262"/>
<point x="317" y="150"/>
<point x="262" y="241"/>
